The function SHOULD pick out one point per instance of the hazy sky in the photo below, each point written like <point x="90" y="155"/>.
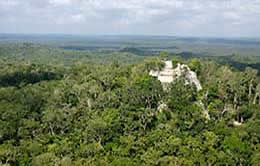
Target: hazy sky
<point x="148" y="17"/>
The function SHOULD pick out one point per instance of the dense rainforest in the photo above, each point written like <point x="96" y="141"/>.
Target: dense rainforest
<point x="104" y="109"/>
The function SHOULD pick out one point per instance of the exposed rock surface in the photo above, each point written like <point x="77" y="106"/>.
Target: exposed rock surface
<point x="168" y="74"/>
<point x="190" y="76"/>
<point x="236" y="123"/>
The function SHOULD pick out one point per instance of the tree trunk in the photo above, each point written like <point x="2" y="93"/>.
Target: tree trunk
<point x="256" y="95"/>
<point x="52" y="132"/>
<point x="250" y="89"/>
<point x="235" y="102"/>
<point x="241" y="119"/>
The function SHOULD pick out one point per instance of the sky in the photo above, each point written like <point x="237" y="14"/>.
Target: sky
<point x="210" y="18"/>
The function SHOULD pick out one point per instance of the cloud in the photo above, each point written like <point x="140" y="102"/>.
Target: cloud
<point x="162" y="17"/>
<point x="60" y="2"/>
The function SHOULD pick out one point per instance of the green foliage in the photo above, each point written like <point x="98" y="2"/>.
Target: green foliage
<point x="195" y="65"/>
<point x="107" y="114"/>
<point x="175" y="61"/>
<point x="26" y="74"/>
<point x="164" y="55"/>
<point x="154" y="64"/>
<point x="181" y="95"/>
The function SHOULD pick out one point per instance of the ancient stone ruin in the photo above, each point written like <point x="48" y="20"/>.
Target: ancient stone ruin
<point x="168" y="74"/>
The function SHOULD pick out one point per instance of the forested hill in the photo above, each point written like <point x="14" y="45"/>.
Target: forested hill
<point x="93" y="113"/>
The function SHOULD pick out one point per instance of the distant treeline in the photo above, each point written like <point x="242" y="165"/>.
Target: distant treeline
<point x="226" y="60"/>
<point x="117" y="48"/>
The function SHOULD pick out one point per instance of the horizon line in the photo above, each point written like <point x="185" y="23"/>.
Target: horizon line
<point x="129" y="35"/>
